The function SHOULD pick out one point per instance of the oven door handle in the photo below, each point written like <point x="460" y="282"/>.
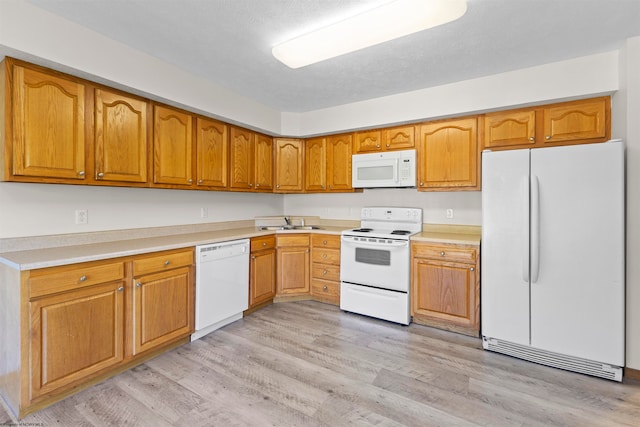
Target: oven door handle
<point x="361" y="244"/>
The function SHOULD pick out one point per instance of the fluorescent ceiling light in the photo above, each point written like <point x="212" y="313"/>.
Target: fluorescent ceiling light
<point x="387" y="22"/>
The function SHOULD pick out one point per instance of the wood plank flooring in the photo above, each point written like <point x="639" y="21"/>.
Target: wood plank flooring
<point x="309" y="364"/>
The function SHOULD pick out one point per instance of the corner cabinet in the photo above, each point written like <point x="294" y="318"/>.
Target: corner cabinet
<point x="262" y="271"/>
<point x="293" y="264"/>
<point x="172" y="146"/>
<point x="445" y="286"/>
<point x="448" y="156"/>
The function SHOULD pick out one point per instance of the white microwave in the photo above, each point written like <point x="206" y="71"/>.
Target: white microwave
<point x="388" y="169"/>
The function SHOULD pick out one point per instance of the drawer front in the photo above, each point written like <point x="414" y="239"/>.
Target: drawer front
<point x="292" y="240"/>
<point x="444" y="252"/>
<point x="325" y="287"/>
<point x="326" y="256"/>
<point x="325" y="271"/>
<point x="260" y="243"/>
<point x="162" y="261"/>
<point x="325" y="241"/>
<point x="60" y="279"/>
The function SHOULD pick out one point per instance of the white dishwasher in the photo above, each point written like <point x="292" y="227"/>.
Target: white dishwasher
<point x="222" y="284"/>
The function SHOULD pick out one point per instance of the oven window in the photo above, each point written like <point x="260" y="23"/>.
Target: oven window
<point x="370" y="173"/>
<point x="373" y="256"/>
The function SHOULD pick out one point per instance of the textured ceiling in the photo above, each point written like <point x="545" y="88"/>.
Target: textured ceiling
<point x="229" y="42"/>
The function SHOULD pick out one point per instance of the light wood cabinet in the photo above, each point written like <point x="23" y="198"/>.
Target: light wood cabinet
<point x="120" y="137"/>
<point x="251" y="161"/>
<point x="172" y="146"/>
<point x="574" y="122"/>
<point x="263" y="163"/>
<point x="262" y="271"/>
<point x="448" y="156"/>
<point x="289" y="165"/>
<point x="325" y="268"/>
<point x="315" y="167"/>
<point x="76" y="324"/>
<point x="387" y="139"/>
<point x="445" y="286"/>
<point x="163" y="299"/>
<point x="46" y="136"/>
<point x="368" y="141"/>
<point x="293" y="264"/>
<point x="212" y="153"/>
<point x="328" y="164"/>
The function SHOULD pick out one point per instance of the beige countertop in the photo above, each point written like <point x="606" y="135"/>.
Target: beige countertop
<point x="76" y="253"/>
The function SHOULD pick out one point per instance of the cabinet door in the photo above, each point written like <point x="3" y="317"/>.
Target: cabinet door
<point x="446" y="293"/>
<point x="339" y="150"/>
<point x="163" y="305"/>
<point x="289" y="165"/>
<point x="509" y="128"/>
<point x="212" y="148"/>
<point x="579" y="120"/>
<point x="367" y="142"/>
<point x="449" y="156"/>
<point x="48" y="126"/>
<point x="241" y="159"/>
<point x="315" y="167"/>
<point x="262" y="277"/>
<point x="74" y="335"/>
<point x="120" y="137"/>
<point x="263" y="163"/>
<point x="399" y="138"/>
<point x="172" y="145"/>
<point x="293" y="270"/>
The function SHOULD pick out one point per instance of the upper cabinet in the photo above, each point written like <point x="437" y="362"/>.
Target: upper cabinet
<point x="263" y="163"/>
<point x="120" y="138"/>
<point x="172" y="146"/>
<point x="575" y="122"/>
<point x="448" y="156"/>
<point x="212" y="152"/>
<point x="289" y="155"/>
<point x="395" y="138"/>
<point x="315" y="167"/>
<point x="46" y="130"/>
<point x="328" y="164"/>
<point x="250" y="160"/>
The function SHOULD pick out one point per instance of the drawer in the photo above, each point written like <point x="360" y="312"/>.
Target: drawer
<point x="59" y="279"/>
<point x="161" y="261"/>
<point x="325" y="271"/>
<point x="260" y="243"/>
<point x="325" y="288"/>
<point x="325" y="256"/>
<point x="444" y="252"/>
<point x="292" y="240"/>
<point x="325" y="241"/>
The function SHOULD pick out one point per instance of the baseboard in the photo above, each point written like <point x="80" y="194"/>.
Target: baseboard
<point x="631" y="374"/>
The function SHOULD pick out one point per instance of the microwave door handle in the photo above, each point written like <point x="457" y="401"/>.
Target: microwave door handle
<point x="395" y="170"/>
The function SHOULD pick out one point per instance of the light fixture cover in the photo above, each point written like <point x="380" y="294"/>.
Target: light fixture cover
<point x="387" y="22"/>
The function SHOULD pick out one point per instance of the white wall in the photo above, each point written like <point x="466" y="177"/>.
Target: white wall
<point x="39" y="209"/>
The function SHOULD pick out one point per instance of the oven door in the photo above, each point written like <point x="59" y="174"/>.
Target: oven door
<point x="383" y="263"/>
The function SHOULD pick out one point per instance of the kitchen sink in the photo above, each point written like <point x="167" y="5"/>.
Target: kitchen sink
<point x="290" y="227"/>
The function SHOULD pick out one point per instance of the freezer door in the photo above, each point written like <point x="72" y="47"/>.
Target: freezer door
<point x="505" y="246"/>
<point x="577" y="301"/>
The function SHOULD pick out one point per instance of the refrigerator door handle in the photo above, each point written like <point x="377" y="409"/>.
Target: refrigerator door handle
<point x="535" y="228"/>
<point x="525" y="229"/>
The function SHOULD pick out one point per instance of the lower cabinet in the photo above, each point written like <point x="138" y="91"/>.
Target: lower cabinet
<point x="445" y="288"/>
<point x="325" y="268"/>
<point x="262" y="271"/>
<point x="293" y="264"/>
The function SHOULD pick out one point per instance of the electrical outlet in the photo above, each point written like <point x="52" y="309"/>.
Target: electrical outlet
<point x="82" y="216"/>
<point x="450" y="213"/>
<point x="204" y="213"/>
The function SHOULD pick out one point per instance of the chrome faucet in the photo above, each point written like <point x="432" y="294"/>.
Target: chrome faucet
<point x="287" y="220"/>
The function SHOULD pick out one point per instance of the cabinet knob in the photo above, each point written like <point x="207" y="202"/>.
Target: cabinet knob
<point x="100" y="175"/>
<point x="548" y="137"/>
<point x="83" y="278"/>
<point x="322" y="186"/>
<point x="138" y="284"/>
<point x="264" y="243"/>
<point x="277" y="185"/>
<point x="257" y="185"/>
<point x="81" y="173"/>
<point x="324" y="256"/>
<point x="324" y="272"/>
<point x="421" y="183"/>
<point x="324" y="288"/>
<point x="378" y="146"/>
<point x="250" y="185"/>
<point x="388" y="145"/>
<point x="190" y="181"/>
<point x="253" y="257"/>
<point x="442" y="253"/>
<point x="531" y="138"/>
<point x="306" y="251"/>
<point x="199" y="182"/>
<point x="121" y="288"/>
<point x="324" y="242"/>
<point x="472" y="269"/>
<point x="331" y="187"/>
<point x="167" y="262"/>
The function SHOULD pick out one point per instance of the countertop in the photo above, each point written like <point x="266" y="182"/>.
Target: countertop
<point x="72" y="254"/>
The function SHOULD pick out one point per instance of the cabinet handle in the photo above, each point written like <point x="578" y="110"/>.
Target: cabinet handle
<point x="531" y="138"/>
<point x="83" y="278"/>
<point x="324" y="242"/>
<point x="138" y="284"/>
<point x="277" y="185"/>
<point x="264" y="243"/>
<point x="442" y="253"/>
<point x="257" y="185"/>
<point x="421" y="184"/>
<point x="324" y="272"/>
<point x="306" y="251"/>
<point x="324" y="256"/>
<point x="190" y="181"/>
<point x="472" y="269"/>
<point x="322" y="186"/>
<point x="167" y="262"/>
<point x="81" y="173"/>
<point x="121" y="288"/>
<point x="199" y="182"/>
<point x="324" y="288"/>
<point x="548" y="137"/>
<point x="378" y="146"/>
<point x="388" y="145"/>
<point x="250" y="185"/>
<point x="253" y="257"/>
<point x="100" y="175"/>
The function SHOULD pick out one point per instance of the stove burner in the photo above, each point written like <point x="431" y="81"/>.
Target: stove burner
<point x="363" y="230"/>
<point x="401" y="232"/>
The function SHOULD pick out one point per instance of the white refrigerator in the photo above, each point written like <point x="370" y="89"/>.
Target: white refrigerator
<point x="552" y="265"/>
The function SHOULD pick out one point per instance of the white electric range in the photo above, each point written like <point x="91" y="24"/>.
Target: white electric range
<point x="375" y="263"/>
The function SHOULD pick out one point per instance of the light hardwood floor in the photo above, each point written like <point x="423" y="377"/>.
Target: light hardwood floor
<point x="307" y="363"/>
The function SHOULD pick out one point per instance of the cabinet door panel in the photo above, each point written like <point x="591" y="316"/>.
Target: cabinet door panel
<point x="507" y="128"/>
<point x="48" y="126"/>
<point x="369" y="141"/>
<point x="399" y="138"/>
<point x="74" y="335"/>
<point x="212" y="148"/>
<point x="579" y="120"/>
<point x="293" y="270"/>
<point x="339" y="150"/>
<point x="241" y="159"/>
<point x="120" y="137"/>
<point x="172" y="146"/>
<point x="262" y="285"/>
<point x="315" y="164"/>
<point x="263" y="163"/>
<point x="289" y="165"/>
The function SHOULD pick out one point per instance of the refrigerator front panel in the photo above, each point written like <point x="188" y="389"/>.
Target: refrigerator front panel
<point x="505" y="243"/>
<point x="577" y="301"/>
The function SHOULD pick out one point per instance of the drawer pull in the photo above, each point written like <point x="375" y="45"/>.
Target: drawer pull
<point x="121" y="288"/>
<point x="324" y="255"/>
<point x="83" y="278"/>
<point x="264" y="243"/>
<point x="472" y="269"/>
<point x="324" y="288"/>
<point x="167" y="262"/>
<point x="138" y="284"/>
<point x="253" y="257"/>
<point x="324" y="242"/>
<point x="324" y="272"/>
<point x="442" y="253"/>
